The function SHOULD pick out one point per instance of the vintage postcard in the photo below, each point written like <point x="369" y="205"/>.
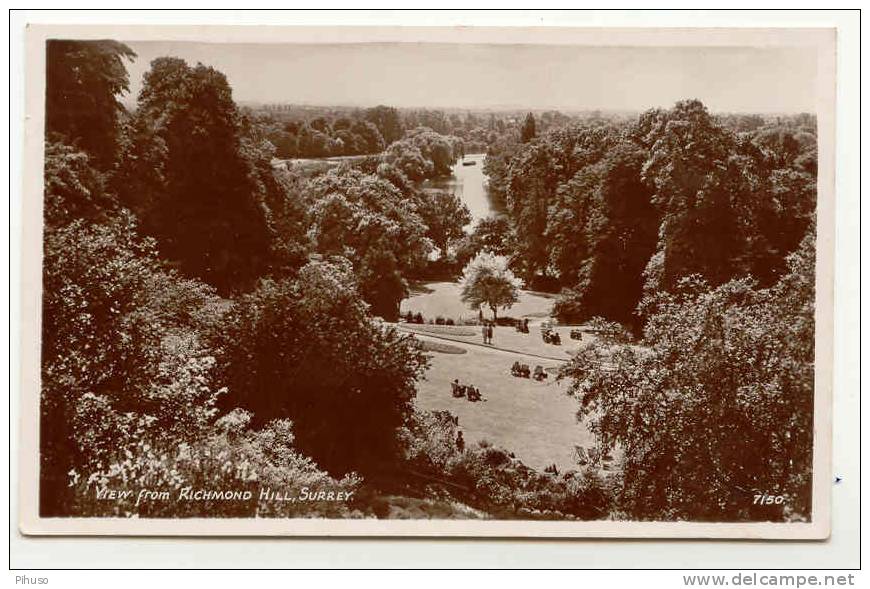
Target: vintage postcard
<point x="428" y="282"/>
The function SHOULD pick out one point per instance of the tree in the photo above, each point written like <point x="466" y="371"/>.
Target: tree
<point x="370" y="139"/>
<point x="696" y="180"/>
<point x="486" y="280"/>
<point x="494" y="234"/>
<point x="206" y="204"/>
<point x="445" y="216"/>
<point x="716" y="406"/>
<point x="308" y="350"/>
<point x="407" y="157"/>
<point x="528" y="131"/>
<point x="441" y="150"/>
<point x="388" y="122"/>
<point x="490" y="234"/>
<point x="605" y="258"/>
<point x="83" y="81"/>
<point x="73" y="187"/>
<point x="96" y="339"/>
<point x="366" y="219"/>
<point x="535" y="176"/>
<point x="496" y="166"/>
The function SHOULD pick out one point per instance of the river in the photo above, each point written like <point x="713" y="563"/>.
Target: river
<point x="470" y="184"/>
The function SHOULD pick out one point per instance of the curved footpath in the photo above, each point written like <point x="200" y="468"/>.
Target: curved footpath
<point x="495" y="348"/>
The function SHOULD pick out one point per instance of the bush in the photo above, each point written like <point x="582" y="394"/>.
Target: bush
<point x="307" y="350"/>
<point x="491" y="479"/>
<point x="718" y="404"/>
<point x="609" y="331"/>
<point x="98" y="337"/>
<point x="229" y="458"/>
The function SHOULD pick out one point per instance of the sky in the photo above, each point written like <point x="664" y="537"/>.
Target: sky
<point x="726" y="79"/>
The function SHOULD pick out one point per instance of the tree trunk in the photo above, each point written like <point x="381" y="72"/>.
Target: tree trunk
<point x="494" y="312"/>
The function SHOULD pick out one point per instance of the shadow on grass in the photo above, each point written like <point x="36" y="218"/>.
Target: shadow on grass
<point x="416" y="287"/>
<point x="430" y="346"/>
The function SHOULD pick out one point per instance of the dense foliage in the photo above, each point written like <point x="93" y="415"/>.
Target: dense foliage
<point x="672" y="193"/>
<point x="213" y="316"/>
<point x="306" y="350"/>
<point x="366" y="219"/>
<point x="716" y="407"/>
<point x="83" y="81"/>
<point x="193" y="179"/>
<point x="493" y="480"/>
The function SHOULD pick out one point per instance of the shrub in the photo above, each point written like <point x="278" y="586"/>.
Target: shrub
<point x="492" y="479"/>
<point x="307" y="350"/>
<point x="98" y="337"/>
<point x="229" y="458"/>
<point x="717" y="406"/>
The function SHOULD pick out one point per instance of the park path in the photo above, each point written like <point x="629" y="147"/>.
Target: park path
<point x="493" y="347"/>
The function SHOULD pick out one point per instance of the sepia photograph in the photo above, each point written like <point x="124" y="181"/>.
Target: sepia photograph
<point x="444" y="284"/>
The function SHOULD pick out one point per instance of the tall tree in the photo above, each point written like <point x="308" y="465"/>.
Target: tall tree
<point x="528" y="131"/>
<point x="695" y="179"/>
<point x="535" y="176"/>
<point x="206" y="207"/>
<point x="605" y="258"/>
<point x="367" y="220"/>
<point x="83" y="82"/>
<point x="388" y="122"/>
<point x="445" y="216"/>
<point x="308" y="350"/>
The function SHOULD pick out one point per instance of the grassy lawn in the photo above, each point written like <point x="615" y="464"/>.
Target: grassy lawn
<point x="535" y="420"/>
<point x="442" y="298"/>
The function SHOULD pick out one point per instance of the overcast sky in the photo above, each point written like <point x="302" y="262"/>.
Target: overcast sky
<point x="740" y="79"/>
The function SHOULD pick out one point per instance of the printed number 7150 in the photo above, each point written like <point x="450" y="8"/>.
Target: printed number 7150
<point x="765" y="499"/>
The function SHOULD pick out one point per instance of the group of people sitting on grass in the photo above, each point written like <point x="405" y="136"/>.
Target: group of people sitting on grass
<point x="522" y="371"/>
<point x="552" y="469"/>
<point x="551" y="337"/>
<point x="469" y="391"/>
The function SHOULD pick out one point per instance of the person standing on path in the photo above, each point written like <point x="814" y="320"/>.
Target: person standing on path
<point x="489" y="333"/>
<point x="484" y="331"/>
